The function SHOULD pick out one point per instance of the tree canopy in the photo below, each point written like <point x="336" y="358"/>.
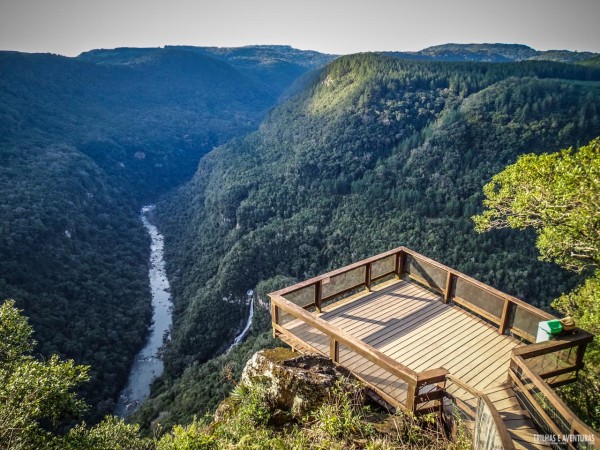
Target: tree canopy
<point x="557" y="194"/>
<point x="38" y="400"/>
<point x="32" y="392"/>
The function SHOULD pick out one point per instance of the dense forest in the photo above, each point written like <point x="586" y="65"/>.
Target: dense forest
<point x="368" y="153"/>
<point x="84" y="143"/>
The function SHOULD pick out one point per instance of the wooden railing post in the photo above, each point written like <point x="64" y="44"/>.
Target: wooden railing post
<point x="274" y="317"/>
<point x="400" y="263"/>
<point x="448" y="290"/>
<point x="505" y="316"/>
<point x="334" y="350"/>
<point x="368" y="276"/>
<point x="318" y="295"/>
<point x="411" y="393"/>
<point x="580" y="353"/>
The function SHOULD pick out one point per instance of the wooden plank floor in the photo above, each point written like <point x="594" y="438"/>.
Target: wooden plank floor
<point x="411" y="325"/>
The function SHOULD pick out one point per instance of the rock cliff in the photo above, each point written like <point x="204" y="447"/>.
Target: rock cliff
<point x="297" y="384"/>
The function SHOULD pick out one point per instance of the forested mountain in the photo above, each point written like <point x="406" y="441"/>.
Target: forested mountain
<point x="271" y="68"/>
<point x="374" y="152"/>
<point x="364" y="154"/>
<point x="84" y="142"/>
<point x="491" y="53"/>
<point x="594" y="61"/>
<point x="145" y="124"/>
<point x="274" y="67"/>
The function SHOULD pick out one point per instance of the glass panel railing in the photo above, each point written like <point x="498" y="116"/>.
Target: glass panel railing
<point x="302" y="297"/>
<point x="554" y="361"/>
<point x="285" y="318"/>
<point x="486" y="433"/>
<point x="383" y="266"/>
<point x="433" y="276"/>
<point x="304" y="334"/>
<point x="342" y="282"/>
<point x="482" y="299"/>
<point x="526" y="321"/>
<point x="382" y="380"/>
<point x="535" y="402"/>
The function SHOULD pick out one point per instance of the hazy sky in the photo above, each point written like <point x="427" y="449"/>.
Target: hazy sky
<point x="69" y="27"/>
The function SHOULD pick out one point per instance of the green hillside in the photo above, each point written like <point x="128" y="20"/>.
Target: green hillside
<point x="373" y="153"/>
<point x="593" y="62"/>
<point x="146" y="124"/>
<point x="364" y="154"/>
<point x="84" y="143"/>
<point x="273" y="67"/>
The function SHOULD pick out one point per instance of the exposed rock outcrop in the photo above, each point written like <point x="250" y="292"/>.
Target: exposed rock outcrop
<point x="297" y="383"/>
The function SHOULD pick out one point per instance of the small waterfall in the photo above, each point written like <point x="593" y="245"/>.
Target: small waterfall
<point x="240" y="337"/>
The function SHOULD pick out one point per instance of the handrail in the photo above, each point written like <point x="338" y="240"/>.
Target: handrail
<point x="576" y="424"/>
<point x="400" y="270"/>
<point x="543" y="348"/>
<point x="339" y="271"/>
<point x="412" y="378"/>
<point x="480" y="285"/>
<point x="337" y="336"/>
<point x="373" y="355"/>
<point x="507" y="442"/>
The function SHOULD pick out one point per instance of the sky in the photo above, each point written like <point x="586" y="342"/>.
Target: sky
<point x="69" y="27"/>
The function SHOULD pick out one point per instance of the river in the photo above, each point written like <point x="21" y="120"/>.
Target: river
<point x="148" y="364"/>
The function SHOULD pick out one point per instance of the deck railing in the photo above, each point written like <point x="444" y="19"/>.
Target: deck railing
<point x="531" y="368"/>
<point x="556" y="362"/>
<point x="508" y="313"/>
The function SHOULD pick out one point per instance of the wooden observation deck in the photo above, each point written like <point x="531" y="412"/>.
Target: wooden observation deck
<point x="427" y="338"/>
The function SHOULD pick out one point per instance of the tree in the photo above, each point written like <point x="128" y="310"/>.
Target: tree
<point x="32" y="392"/>
<point x="37" y="396"/>
<point x="110" y="434"/>
<point x="558" y="195"/>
